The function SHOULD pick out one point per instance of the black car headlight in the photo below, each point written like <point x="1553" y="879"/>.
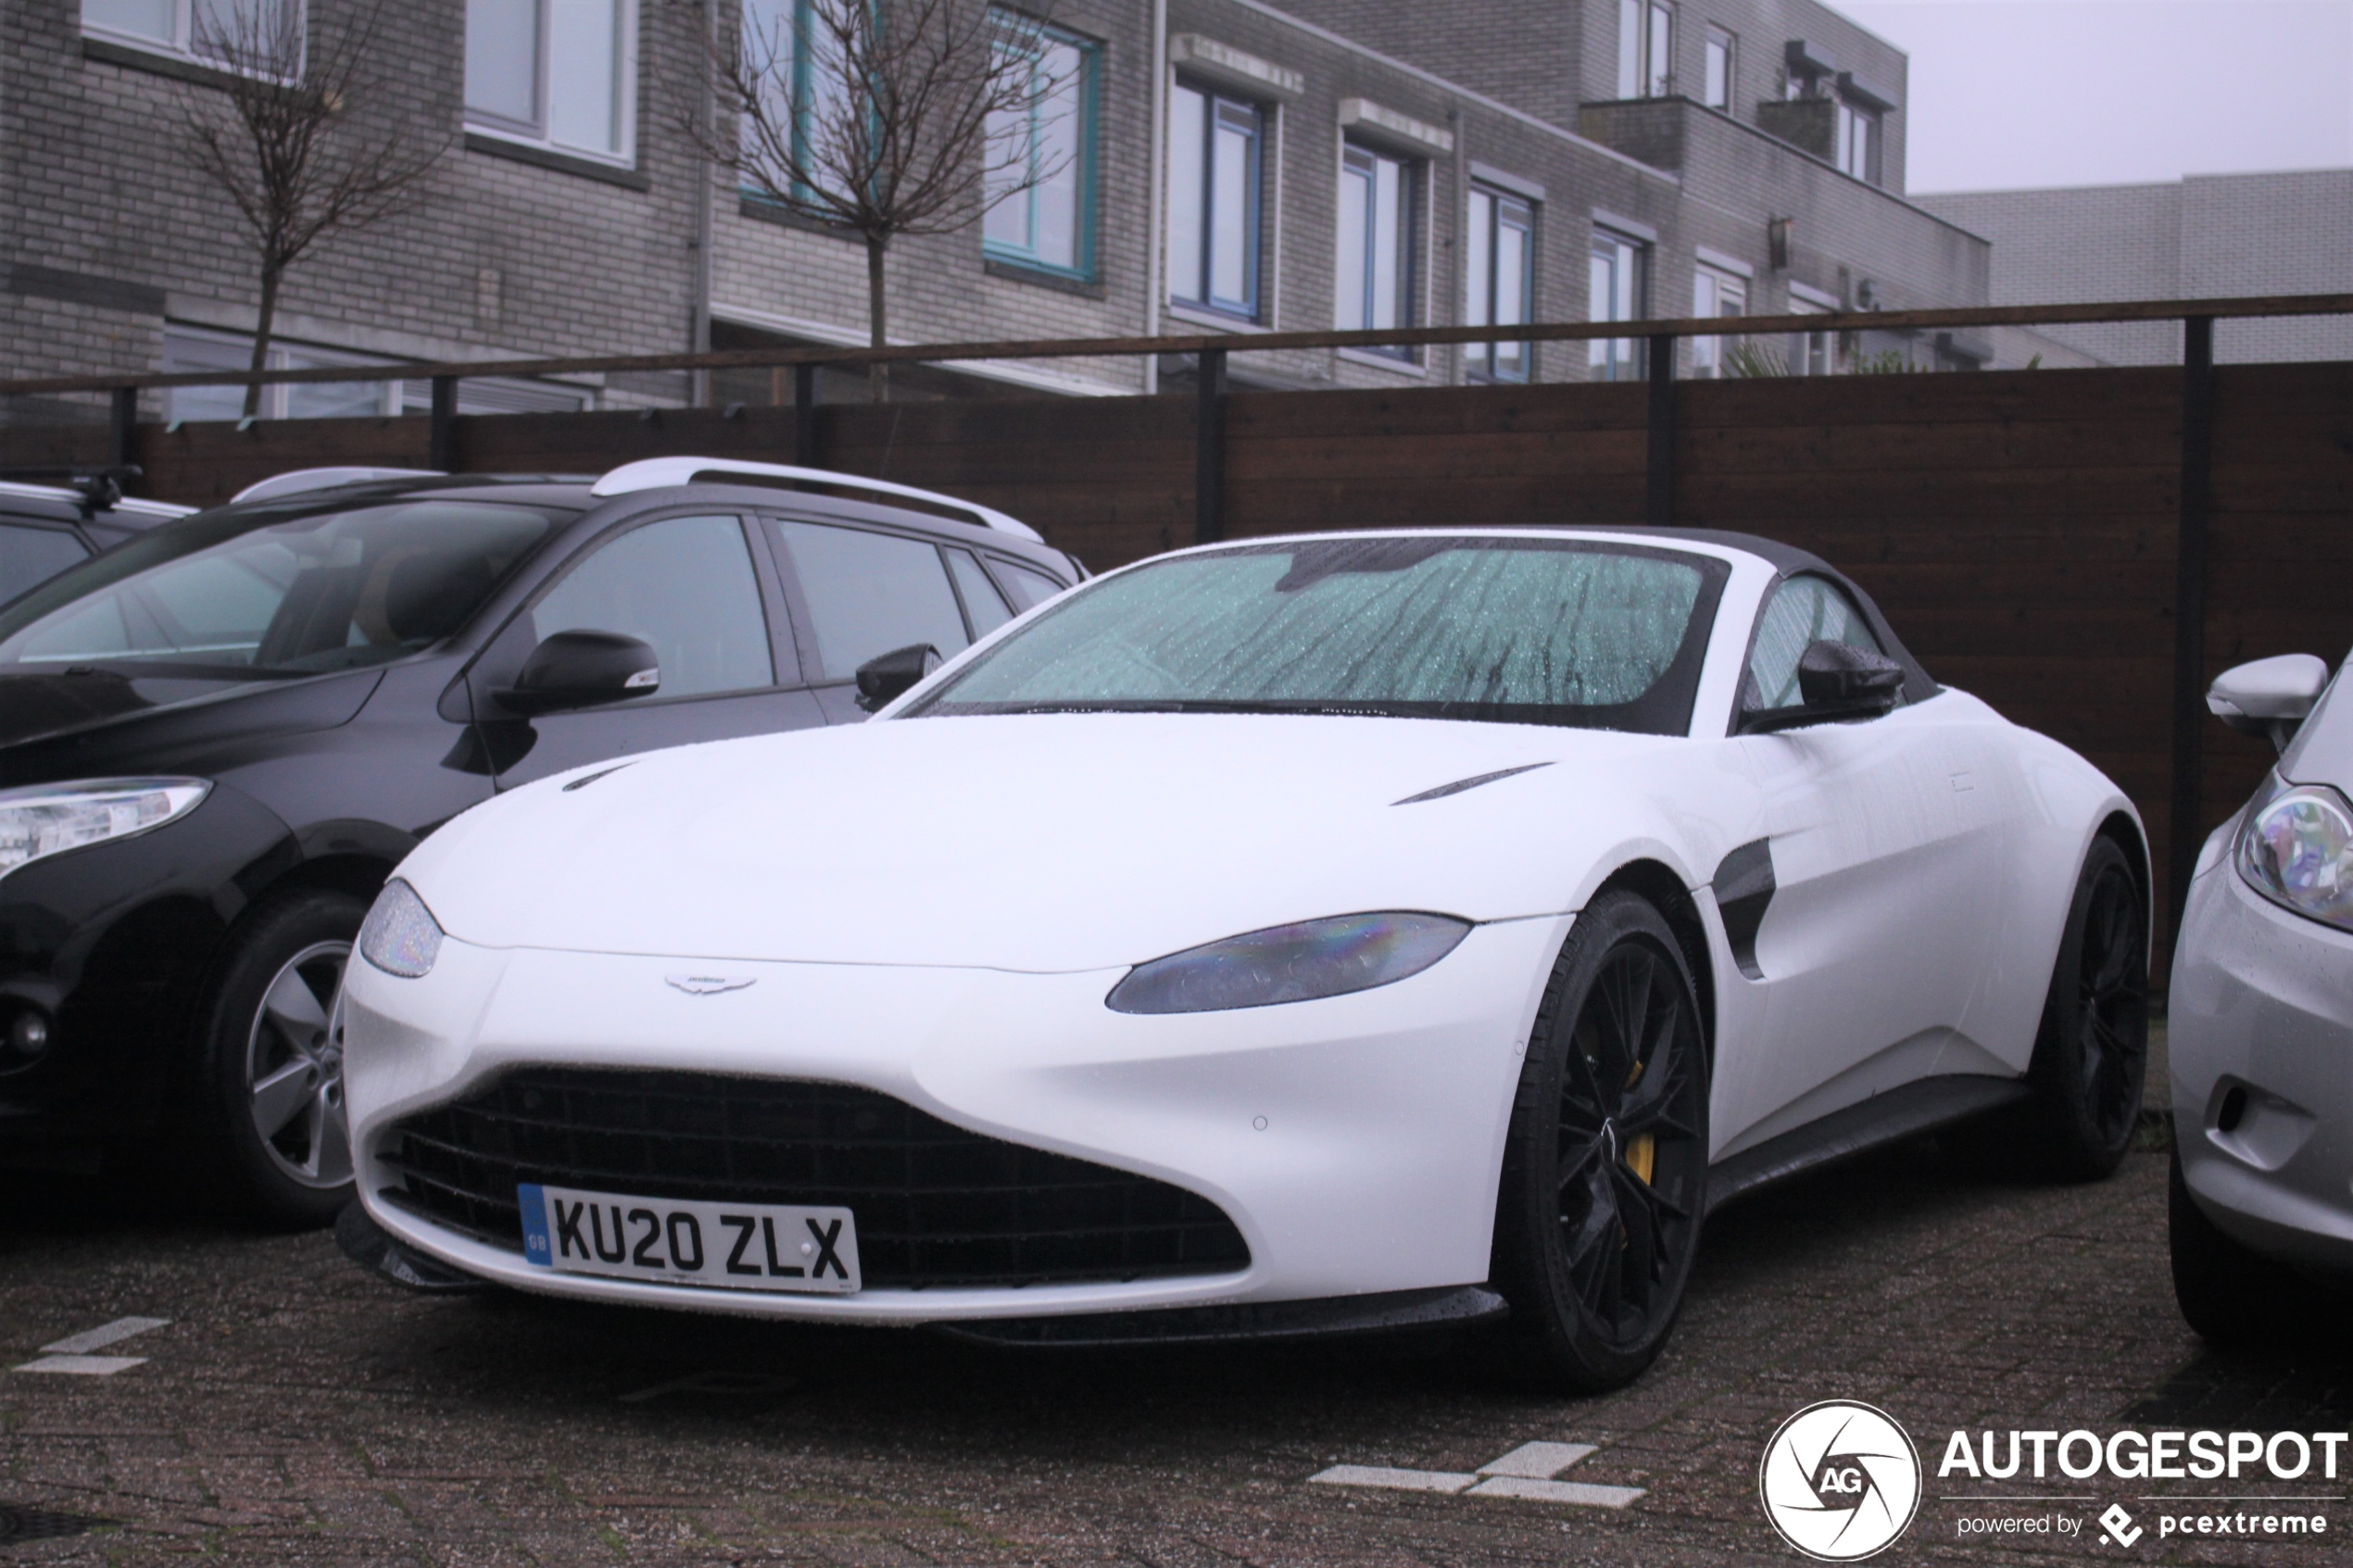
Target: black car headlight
<point x="1289" y="963"/>
<point x="2295" y="849"/>
<point x="50" y="819"/>
<point x="400" y="937"/>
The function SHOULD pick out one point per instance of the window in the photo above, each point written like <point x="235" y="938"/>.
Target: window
<point x="1499" y="277"/>
<point x="559" y="72"/>
<point x="1029" y="588"/>
<point x="1514" y="631"/>
<point x="1811" y="354"/>
<point x="1716" y="292"/>
<point x="239" y="598"/>
<point x="1854" y="142"/>
<point x="1216" y="154"/>
<point x="34" y="555"/>
<point x="1716" y="90"/>
<point x="1374" y="286"/>
<point x="1802" y="610"/>
<point x="1616" y="285"/>
<point x="870" y="593"/>
<point x="686" y="585"/>
<point x="1645" y="49"/>
<point x="984" y="604"/>
<point x="173" y="25"/>
<point x="1051" y="145"/>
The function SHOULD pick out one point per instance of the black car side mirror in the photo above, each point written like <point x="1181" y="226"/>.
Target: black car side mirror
<point x="887" y="676"/>
<point x="583" y="669"/>
<point x="1835" y="681"/>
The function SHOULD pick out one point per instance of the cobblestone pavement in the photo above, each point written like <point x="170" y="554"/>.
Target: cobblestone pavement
<point x="295" y="1410"/>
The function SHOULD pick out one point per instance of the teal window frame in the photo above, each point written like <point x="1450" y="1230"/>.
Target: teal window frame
<point x="1025" y="256"/>
<point x="802" y="102"/>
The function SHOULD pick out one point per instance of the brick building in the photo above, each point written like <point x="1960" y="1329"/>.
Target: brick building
<point x="1233" y="166"/>
<point x="2204" y="237"/>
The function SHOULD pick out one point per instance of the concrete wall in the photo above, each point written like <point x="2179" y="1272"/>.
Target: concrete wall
<point x="2207" y="236"/>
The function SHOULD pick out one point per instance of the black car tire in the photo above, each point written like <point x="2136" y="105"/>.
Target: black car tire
<point x="266" y="1055"/>
<point x="2091" y="1055"/>
<point x="1604" y="1176"/>
<point x="2228" y="1292"/>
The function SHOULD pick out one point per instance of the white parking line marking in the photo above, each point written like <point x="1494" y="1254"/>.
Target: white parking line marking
<point x="103" y="1336"/>
<point x="1537" y="1461"/>
<point x="1396" y="1480"/>
<point x="85" y="1366"/>
<point x="1526" y="1473"/>
<point x="1555" y="1491"/>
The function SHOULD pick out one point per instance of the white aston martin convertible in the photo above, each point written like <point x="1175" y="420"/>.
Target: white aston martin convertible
<point x="1301" y="935"/>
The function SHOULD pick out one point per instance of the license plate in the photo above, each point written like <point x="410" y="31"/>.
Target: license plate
<point x="672" y="1241"/>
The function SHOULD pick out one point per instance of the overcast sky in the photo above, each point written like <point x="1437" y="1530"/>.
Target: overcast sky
<point x="2018" y="93"/>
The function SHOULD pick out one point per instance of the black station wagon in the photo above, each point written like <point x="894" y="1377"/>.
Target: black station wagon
<point x="217" y="739"/>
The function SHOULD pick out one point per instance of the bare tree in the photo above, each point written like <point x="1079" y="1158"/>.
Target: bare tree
<point x="883" y="117"/>
<point x="283" y="131"/>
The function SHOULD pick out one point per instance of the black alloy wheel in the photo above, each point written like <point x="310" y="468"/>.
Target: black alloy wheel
<point x="1605" y="1172"/>
<point x="2091" y="1057"/>
<point x="274" y="1125"/>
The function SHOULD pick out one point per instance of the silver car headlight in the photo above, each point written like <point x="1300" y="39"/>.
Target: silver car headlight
<point x="50" y="819"/>
<point x="2295" y="849"/>
<point x="400" y="937"/>
<point x="1289" y="963"/>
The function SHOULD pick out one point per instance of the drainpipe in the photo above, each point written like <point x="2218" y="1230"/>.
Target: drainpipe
<point x="1152" y="192"/>
<point x="699" y="279"/>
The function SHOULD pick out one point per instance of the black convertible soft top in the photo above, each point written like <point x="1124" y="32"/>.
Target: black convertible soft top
<point x="1791" y="561"/>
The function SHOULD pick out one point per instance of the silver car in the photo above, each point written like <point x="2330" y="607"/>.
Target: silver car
<point x="2262" y="1018"/>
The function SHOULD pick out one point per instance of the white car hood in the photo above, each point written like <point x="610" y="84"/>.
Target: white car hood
<point x="1045" y="843"/>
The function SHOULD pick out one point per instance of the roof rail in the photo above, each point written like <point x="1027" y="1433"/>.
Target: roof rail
<point x="658" y="473"/>
<point x="294" y="482"/>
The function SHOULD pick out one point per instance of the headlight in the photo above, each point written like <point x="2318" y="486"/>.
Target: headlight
<point x="400" y="937"/>
<point x="1289" y="963"/>
<point x="47" y="818"/>
<point x="2297" y="849"/>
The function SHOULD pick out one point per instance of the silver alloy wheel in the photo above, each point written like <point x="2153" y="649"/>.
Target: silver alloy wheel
<point x="293" y="1070"/>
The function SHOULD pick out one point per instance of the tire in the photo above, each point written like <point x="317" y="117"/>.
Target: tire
<point x="1604" y="1175"/>
<point x="2091" y="1055"/>
<point x="2228" y="1292"/>
<point x="270" y="1091"/>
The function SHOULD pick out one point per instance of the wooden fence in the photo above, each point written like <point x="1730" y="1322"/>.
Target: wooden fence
<point x="2030" y="534"/>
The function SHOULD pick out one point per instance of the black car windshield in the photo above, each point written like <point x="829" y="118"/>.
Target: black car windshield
<point x="270" y="592"/>
<point x="1530" y="630"/>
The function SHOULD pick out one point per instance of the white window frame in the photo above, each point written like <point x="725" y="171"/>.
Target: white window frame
<point x="1855" y="138"/>
<point x="1645" y="48"/>
<point x="1715" y="293"/>
<point x="1722" y="44"/>
<point x="1811" y="354"/>
<point x="1506" y="209"/>
<point x="1619" y="359"/>
<point x="484" y="122"/>
<point x="1352" y="277"/>
<point x="181" y="45"/>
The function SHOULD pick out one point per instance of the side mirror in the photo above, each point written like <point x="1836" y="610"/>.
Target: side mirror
<point x="2269" y="697"/>
<point x="1835" y="681"/>
<point x="885" y="678"/>
<point x="583" y="669"/>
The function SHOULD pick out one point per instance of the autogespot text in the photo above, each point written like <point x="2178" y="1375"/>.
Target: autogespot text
<point x="2145" y="1456"/>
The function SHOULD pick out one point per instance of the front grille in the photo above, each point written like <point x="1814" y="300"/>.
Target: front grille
<point x="935" y="1205"/>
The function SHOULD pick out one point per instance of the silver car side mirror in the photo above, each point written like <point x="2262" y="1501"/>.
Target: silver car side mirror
<point x="2269" y="697"/>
